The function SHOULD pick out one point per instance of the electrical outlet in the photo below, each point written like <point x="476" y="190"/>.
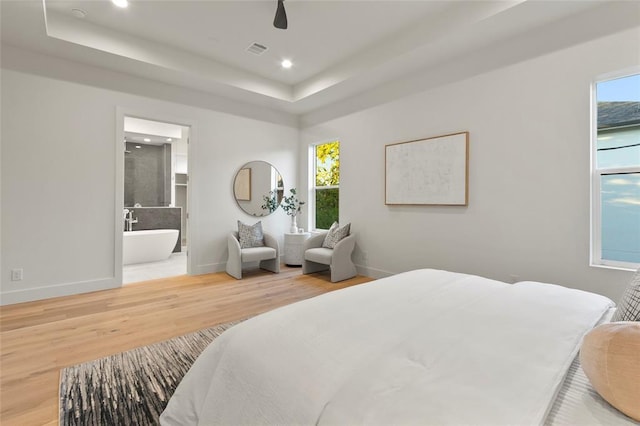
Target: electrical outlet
<point x="16" y="274"/>
<point x="363" y="256"/>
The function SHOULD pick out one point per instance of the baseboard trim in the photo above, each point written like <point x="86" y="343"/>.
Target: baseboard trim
<point x="209" y="268"/>
<point x="373" y="272"/>
<point x="68" y="289"/>
<point x="47" y="292"/>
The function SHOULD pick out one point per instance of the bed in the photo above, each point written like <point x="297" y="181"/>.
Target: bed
<point x="421" y="347"/>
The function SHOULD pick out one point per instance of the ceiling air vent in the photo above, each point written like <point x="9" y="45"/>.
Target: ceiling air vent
<point x="256" y="49"/>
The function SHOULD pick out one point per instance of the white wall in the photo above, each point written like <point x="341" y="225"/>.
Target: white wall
<point x="58" y="180"/>
<point x="529" y="204"/>
<point x="260" y="184"/>
<point x="528" y="212"/>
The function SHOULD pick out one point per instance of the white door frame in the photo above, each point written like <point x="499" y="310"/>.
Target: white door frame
<point x="121" y="113"/>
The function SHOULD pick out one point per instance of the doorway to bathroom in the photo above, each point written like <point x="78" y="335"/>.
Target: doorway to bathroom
<point x="155" y="215"/>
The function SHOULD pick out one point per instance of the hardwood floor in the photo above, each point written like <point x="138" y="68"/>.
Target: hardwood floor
<point x="37" y="339"/>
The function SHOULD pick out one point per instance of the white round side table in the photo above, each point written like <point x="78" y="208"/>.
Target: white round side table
<point x="294" y="248"/>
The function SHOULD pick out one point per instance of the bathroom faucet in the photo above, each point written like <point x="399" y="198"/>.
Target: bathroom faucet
<point x="129" y="220"/>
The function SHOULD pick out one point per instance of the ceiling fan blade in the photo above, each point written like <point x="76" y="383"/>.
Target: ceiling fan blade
<point x="280" y="21"/>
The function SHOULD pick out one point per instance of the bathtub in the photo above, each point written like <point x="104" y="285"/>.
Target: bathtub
<point x="148" y="246"/>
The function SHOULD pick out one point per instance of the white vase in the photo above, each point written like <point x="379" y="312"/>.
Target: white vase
<point x="294" y="225"/>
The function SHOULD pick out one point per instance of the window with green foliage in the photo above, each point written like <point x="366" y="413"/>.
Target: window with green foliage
<point x="326" y="180"/>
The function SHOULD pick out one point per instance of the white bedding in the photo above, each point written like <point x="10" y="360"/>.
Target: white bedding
<point x="422" y="347"/>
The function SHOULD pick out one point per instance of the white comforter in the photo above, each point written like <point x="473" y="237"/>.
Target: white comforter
<point x="422" y="347"/>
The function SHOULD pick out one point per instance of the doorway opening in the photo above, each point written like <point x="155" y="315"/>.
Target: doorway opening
<point x="155" y="215"/>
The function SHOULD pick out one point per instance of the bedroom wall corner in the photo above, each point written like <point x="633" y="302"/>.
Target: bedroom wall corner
<point x="529" y="182"/>
<point x="58" y="178"/>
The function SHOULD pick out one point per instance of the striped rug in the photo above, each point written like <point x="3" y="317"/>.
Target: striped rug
<point x="133" y="387"/>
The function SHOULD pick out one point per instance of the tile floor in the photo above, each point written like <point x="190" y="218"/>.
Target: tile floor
<point x="175" y="265"/>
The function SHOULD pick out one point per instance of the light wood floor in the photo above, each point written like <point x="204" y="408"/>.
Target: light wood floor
<point x="37" y="339"/>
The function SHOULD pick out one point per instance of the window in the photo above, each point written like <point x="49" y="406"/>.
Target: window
<point x="326" y="184"/>
<point x="616" y="173"/>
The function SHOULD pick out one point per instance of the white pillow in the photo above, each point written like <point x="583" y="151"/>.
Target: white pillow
<point x="335" y="234"/>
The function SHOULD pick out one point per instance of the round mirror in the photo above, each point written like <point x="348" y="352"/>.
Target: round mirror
<point x="258" y="188"/>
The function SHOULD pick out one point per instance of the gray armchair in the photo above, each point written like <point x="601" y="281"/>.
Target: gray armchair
<point x="338" y="259"/>
<point x="268" y="256"/>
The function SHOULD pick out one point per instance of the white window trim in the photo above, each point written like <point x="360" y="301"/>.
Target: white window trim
<point x="596" y="175"/>
<point x="311" y="196"/>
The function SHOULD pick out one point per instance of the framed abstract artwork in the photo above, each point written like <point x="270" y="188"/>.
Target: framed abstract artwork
<point x="431" y="171"/>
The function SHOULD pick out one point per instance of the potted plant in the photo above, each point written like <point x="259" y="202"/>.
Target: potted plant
<point x="292" y="206"/>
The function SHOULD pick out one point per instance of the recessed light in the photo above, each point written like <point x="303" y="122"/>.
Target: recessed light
<point x="147" y="140"/>
<point x="78" y="13"/>
<point x="138" y="146"/>
<point x="169" y="139"/>
<point x="286" y="63"/>
<point x="120" y="3"/>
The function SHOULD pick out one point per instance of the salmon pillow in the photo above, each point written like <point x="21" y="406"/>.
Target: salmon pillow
<point x="610" y="357"/>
